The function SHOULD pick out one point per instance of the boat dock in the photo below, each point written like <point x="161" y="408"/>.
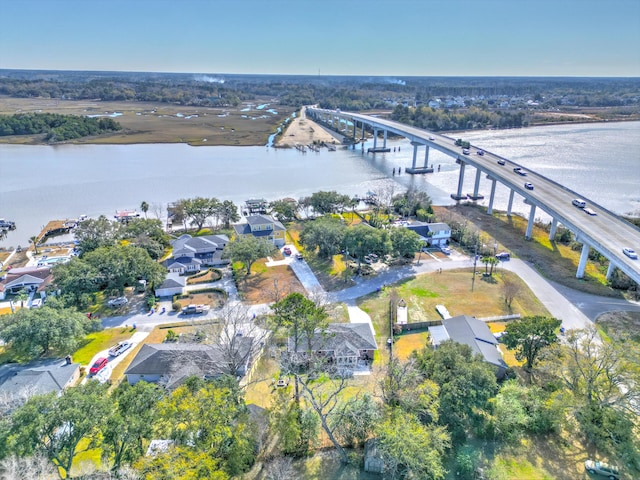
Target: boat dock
<point x="55" y="227"/>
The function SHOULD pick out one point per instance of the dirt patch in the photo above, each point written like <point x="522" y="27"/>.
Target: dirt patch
<point x="303" y="131"/>
<point x="265" y="284"/>
<point x="213" y="299"/>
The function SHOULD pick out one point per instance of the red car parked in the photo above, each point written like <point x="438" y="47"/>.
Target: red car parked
<point x="98" y="365"/>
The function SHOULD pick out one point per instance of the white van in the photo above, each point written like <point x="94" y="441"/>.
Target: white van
<point x="579" y="203"/>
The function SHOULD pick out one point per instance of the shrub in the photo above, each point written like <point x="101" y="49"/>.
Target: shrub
<point x="176" y="306"/>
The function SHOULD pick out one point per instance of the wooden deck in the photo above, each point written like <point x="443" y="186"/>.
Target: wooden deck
<point x="54" y="227"/>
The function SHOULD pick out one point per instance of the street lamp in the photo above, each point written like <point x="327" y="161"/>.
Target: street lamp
<point x="475" y="260"/>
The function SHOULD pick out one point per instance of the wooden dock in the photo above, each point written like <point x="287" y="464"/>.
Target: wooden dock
<point x="54" y="227"/>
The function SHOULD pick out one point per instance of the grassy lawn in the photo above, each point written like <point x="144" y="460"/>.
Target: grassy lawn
<point x="98" y="341"/>
<point x="212" y="275"/>
<point x="260" y="390"/>
<point x="407" y="343"/>
<point x="451" y="288"/>
<point x="551" y="259"/>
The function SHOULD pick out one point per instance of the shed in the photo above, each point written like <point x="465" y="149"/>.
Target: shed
<point x="373" y="461"/>
<point x="401" y="312"/>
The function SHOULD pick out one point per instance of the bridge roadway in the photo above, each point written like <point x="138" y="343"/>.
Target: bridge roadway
<point x="606" y="232"/>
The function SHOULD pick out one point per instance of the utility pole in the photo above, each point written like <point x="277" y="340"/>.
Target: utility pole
<point x="475" y="260"/>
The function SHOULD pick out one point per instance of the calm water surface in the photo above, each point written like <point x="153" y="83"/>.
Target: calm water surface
<point x="41" y="183"/>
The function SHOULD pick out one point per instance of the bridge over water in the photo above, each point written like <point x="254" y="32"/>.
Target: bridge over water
<point x="605" y="232"/>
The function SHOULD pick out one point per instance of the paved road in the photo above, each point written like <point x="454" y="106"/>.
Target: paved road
<point x="606" y="232"/>
<point x="575" y="309"/>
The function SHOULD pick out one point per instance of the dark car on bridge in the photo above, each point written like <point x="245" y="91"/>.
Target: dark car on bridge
<point x="528" y="186"/>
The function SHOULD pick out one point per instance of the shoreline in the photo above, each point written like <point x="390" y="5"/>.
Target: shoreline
<point x="299" y="131"/>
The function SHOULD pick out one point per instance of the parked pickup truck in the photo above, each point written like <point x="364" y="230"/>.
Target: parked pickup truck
<point x="189" y="309"/>
<point x="119" y="348"/>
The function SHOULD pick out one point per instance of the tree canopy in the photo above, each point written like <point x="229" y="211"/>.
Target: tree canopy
<point x="529" y="335"/>
<point x="247" y="249"/>
<point x="36" y="332"/>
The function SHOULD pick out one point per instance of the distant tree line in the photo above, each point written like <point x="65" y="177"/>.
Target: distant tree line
<point x="56" y="127"/>
<point x="345" y="92"/>
<point x="437" y="120"/>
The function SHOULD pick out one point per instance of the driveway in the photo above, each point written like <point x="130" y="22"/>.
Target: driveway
<point x="300" y="268"/>
<point x="105" y="374"/>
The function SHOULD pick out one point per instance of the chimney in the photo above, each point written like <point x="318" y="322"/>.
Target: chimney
<point x="68" y="359"/>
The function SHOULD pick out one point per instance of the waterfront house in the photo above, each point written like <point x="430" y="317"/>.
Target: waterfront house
<point x="435" y="234"/>
<point x="472" y="332"/>
<point x="345" y="345"/>
<point x="262" y="226"/>
<point x="28" y="278"/>
<point x="189" y="253"/>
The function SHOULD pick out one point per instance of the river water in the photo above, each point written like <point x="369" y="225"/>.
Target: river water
<point x="40" y="183"/>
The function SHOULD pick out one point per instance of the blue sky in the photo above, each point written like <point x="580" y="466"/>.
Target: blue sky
<point x="346" y="37"/>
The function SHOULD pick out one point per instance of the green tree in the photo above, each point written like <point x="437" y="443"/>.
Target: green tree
<point x="284" y="210"/>
<point x="200" y="209"/>
<point x="131" y="422"/>
<point x="144" y="206"/>
<point x="529" y="335"/>
<point x="300" y="318"/>
<point x="227" y="212"/>
<point x="466" y="384"/>
<point x="95" y="233"/>
<point x="411" y="449"/>
<point x="34" y="241"/>
<point x="324" y="234"/>
<point x="362" y="240"/>
<point x="76" y="279"/>
<point x="405" y="242"/>
<point x="212" y="419"/>
<point x="329" y="202"/>
<point x="56" y="425"/>
<point x="247" y="249"/>
<point x="356" y="420"/>
<point x="36" y="332"/>
<point x="297" y="429"/>
<point x="122" y="266"/>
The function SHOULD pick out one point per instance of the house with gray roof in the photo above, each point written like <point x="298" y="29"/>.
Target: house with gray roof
<point x="173" y="285"/>
<point x="262" y="226"/>
<point x="474" y="333"/>
<point x="437" y="234"/>
<point x="191" y="253"/>
<point x="171" y="364"/>
<point x="344" y="344"/>
<point x="18" y="382"/>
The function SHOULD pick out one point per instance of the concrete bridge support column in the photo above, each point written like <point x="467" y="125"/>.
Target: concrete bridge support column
<point x="510" y="203"/>
<point x="355" y="127"/>
<point x="492" y="196"/>
<point x="375" y="138"/>
<point x="610" y="270"/>
<point x="532" y="217"/>
<point x="460" y="180"/>
<point x="385" y="140"/>
<point x="476" y="187"/>
<point x="426" y="156"/>
<point x="554" y="228"/>
<point x="415" y="154"/>
<point x="362" y="137"/>
<point x="584" y="256"/>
